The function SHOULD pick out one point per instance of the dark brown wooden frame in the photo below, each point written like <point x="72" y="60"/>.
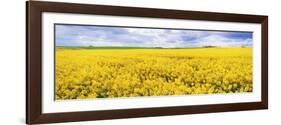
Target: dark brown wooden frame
<point x="34" y="11"/>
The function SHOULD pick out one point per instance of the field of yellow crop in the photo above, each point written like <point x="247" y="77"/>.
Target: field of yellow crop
<point x="109" y="73"/>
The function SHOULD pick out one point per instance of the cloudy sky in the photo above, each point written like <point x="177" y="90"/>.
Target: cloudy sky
<point x="79" y="35"/>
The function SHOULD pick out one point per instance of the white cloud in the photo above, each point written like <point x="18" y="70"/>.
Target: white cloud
<point x="221" y="41"/>
<point x="144" y="37"/>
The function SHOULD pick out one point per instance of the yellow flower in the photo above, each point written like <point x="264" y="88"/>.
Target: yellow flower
<point x="110" y="73"/>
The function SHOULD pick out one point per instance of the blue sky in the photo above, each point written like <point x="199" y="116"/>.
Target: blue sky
<point x="80" y="35"/>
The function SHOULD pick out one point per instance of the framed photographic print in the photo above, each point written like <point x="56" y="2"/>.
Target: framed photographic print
<point x="93" y="62"/>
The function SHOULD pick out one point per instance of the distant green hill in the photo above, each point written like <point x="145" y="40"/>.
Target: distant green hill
<point x="116" y="47"/>
<point x="101" y="47"/>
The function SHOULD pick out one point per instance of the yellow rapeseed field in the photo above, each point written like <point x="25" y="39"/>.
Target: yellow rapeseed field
<point x="108" y="73"/>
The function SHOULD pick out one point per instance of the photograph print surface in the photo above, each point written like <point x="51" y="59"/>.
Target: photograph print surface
<point x="112" y="62"/>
